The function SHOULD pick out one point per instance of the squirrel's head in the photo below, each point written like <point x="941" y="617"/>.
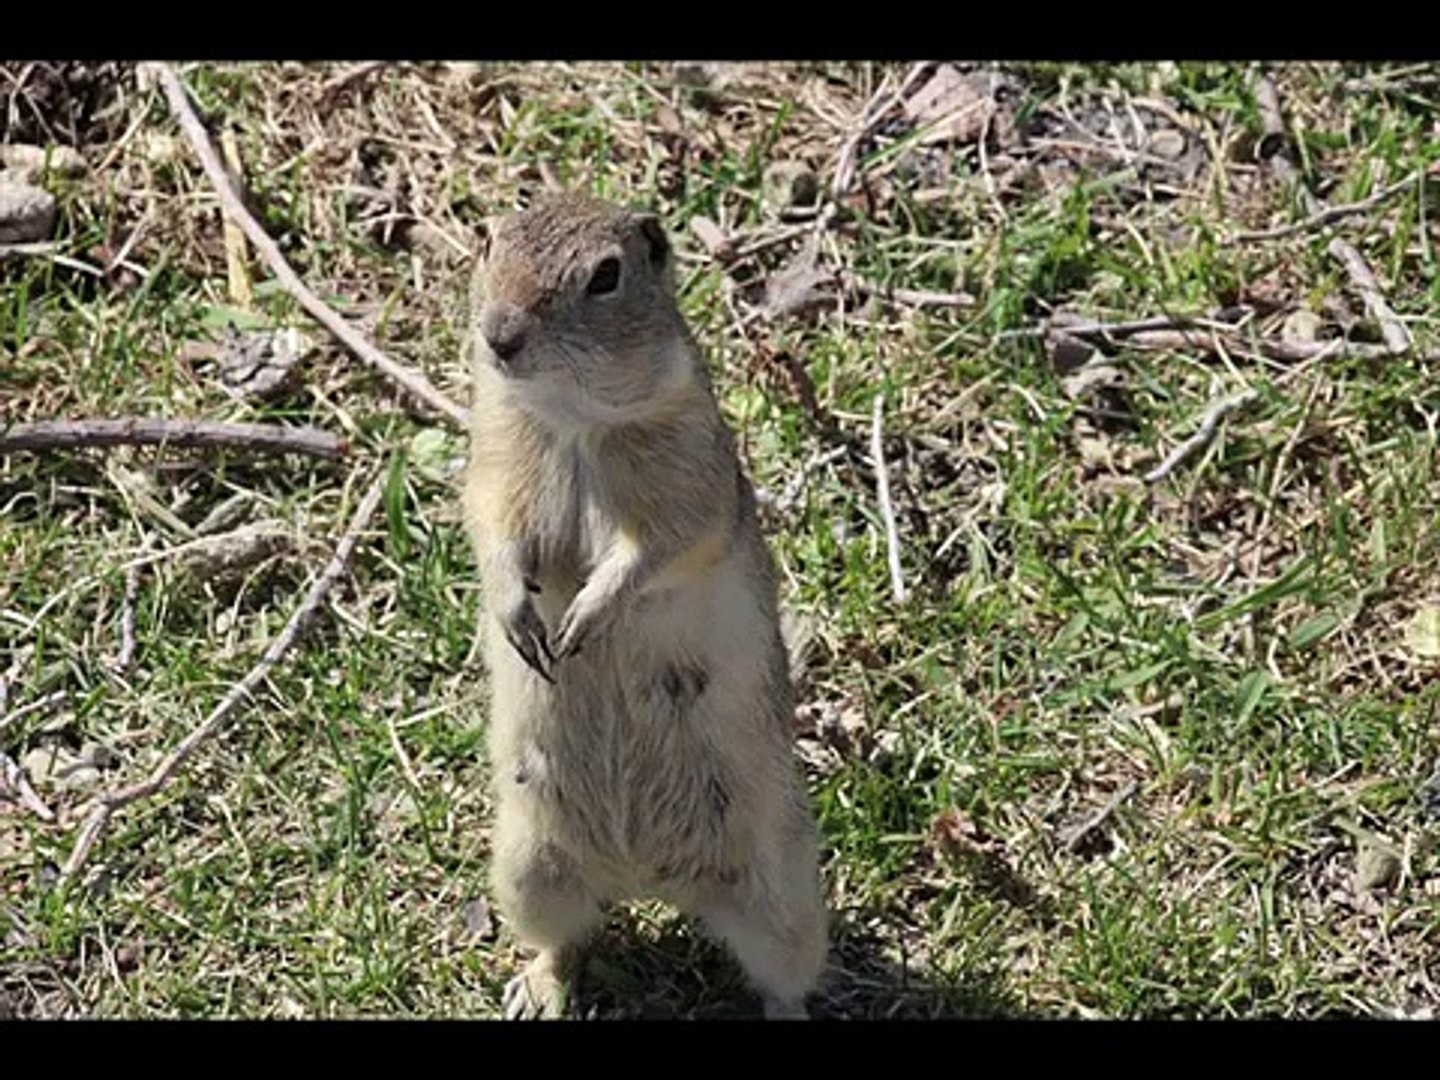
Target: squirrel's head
<point x="576" y="309"/>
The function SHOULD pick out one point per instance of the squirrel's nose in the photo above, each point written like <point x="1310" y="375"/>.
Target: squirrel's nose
<point x="504" y="330"/>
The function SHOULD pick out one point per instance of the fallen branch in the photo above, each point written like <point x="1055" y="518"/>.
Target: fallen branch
<point x="239" y="694"/>
<point x="407" y="378"/>
<point x="914" y="297"/>
<point x="1209" y="423"/>
<point x="337" y="84"/>
<point x="1075" y="837"/>
<point x="1118" y="329"/>
<point x="48" y="701"/>
<point x="787" y="498"/>
<point x="1285" y="350"/>
<point x="78" y="434"/>
<point x="882" y="492"/>
<point x="1328" y="215"/>
<point x="1397" y="338"/>
<point x="1272" y="120"/>
<point x="126" y="656"/>
<point x="13" y="779"/>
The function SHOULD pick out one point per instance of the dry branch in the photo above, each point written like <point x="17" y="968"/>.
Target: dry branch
<point x="1076" y="837"/>
<point x="240" y="693"/>
<point x="48" y="701"/>
<point x="13" y="780"/>
<point x="1330" y="214"/>
<point x="1209" y="423"/>
<point x="1397" y="338"/>
<point x="79" y="434"/>
<point x="882" y="492"/>
<point x="913" y="297"/>
<point x="407" y="378"/>
<point x="1272" y="120"/>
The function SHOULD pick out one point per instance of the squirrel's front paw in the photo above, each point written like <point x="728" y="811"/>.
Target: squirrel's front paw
<point x="587" y="618"/>
<point x="525" y="631"/>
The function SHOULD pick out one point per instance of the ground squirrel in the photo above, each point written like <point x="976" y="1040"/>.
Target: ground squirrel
<point x="642" y="712"/>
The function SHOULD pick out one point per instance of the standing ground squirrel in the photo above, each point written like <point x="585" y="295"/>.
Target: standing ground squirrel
<point x="641" y="706"/>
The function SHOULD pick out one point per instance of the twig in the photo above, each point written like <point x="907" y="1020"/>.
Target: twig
<point x="1328" y="215"/>
<point x="882" y="491"/>
<point x="236" y="273"/>
<point x="915" y="297"/>
<point x="1203" y="434"/>
<point x="51" y="250"/>
<point x="338" y="83"/>
<point x="1272" y="120"/>
<point x="126" y="656"/>
<point x="75" y="434"/>
<point x="1397" y="338"/>
<point x="39" y="704"/>
<point x="796" y="487"/>
<point x="1116" y="329"/>
<point x="13" y="778"/>
<point x="880" y="105"/>
<point x="1076" y="836"/>
<point x="1284" y="351"/>
<point x="409" y="379"/>
<point x="240" y="693"/>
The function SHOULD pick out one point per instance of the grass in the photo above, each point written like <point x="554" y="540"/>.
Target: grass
<point x="1229" y="646"/>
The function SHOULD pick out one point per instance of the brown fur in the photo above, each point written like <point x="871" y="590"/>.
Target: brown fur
<point x="652" y="756"/>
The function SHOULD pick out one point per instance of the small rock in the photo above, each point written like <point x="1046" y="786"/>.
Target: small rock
<point x="1090" y="378"/>
<point x="428" y="238"/>
<point x="224" y="557"/>
<point x="1095" y="452"/>
<point x="713" y="237"/>
<point x="159" y="148"/>
<point x="479" y="923"/>
<point x="263" y="363"/>
<point x="1302" y="325"/>
<point x="789" y="184"/>
<point x="31" y="163"/>
<point x="1067" y="352"/>
<point x="1167" y="143"/>
<point x="1376" y="867"/>
<point x="466" y="70"/>
<point x="27" y="214"/>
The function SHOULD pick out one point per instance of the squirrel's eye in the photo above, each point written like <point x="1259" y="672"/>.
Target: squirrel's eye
<point x="605" y="279"/>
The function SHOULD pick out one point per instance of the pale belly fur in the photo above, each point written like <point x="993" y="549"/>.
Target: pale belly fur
<point x="650" y="758"/>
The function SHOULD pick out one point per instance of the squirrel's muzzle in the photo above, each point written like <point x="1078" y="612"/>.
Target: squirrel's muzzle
<point x="504" y="326"/>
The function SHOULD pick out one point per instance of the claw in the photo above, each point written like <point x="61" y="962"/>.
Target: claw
<point x="530" y="655"/>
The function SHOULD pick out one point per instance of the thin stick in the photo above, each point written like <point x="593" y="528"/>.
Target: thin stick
<point x="1328" y="215"/>
<point x="77" y="434"/>
<point x="1203" y="434"/>
<point x="1284" y="351"/>
<point x="338" y="83"/>
<point x="13" y="778"/>
<point x="236" y="273"/>
<point x="914" y="297"/>
<point x="1397" y="338"/>
<point x="882" y="492"/>
<point x="796" y="487"/>
<point x="39" y="704"/>
<point x="126" y="656"/>
<point x="1272" y="120"/>
<point x="409" y="379"/>
<point x="1076" y="836"/>
<point x="239" y="694"/>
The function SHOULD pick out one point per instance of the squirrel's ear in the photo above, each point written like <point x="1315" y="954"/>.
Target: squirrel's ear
<point x="653" y="229"/>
